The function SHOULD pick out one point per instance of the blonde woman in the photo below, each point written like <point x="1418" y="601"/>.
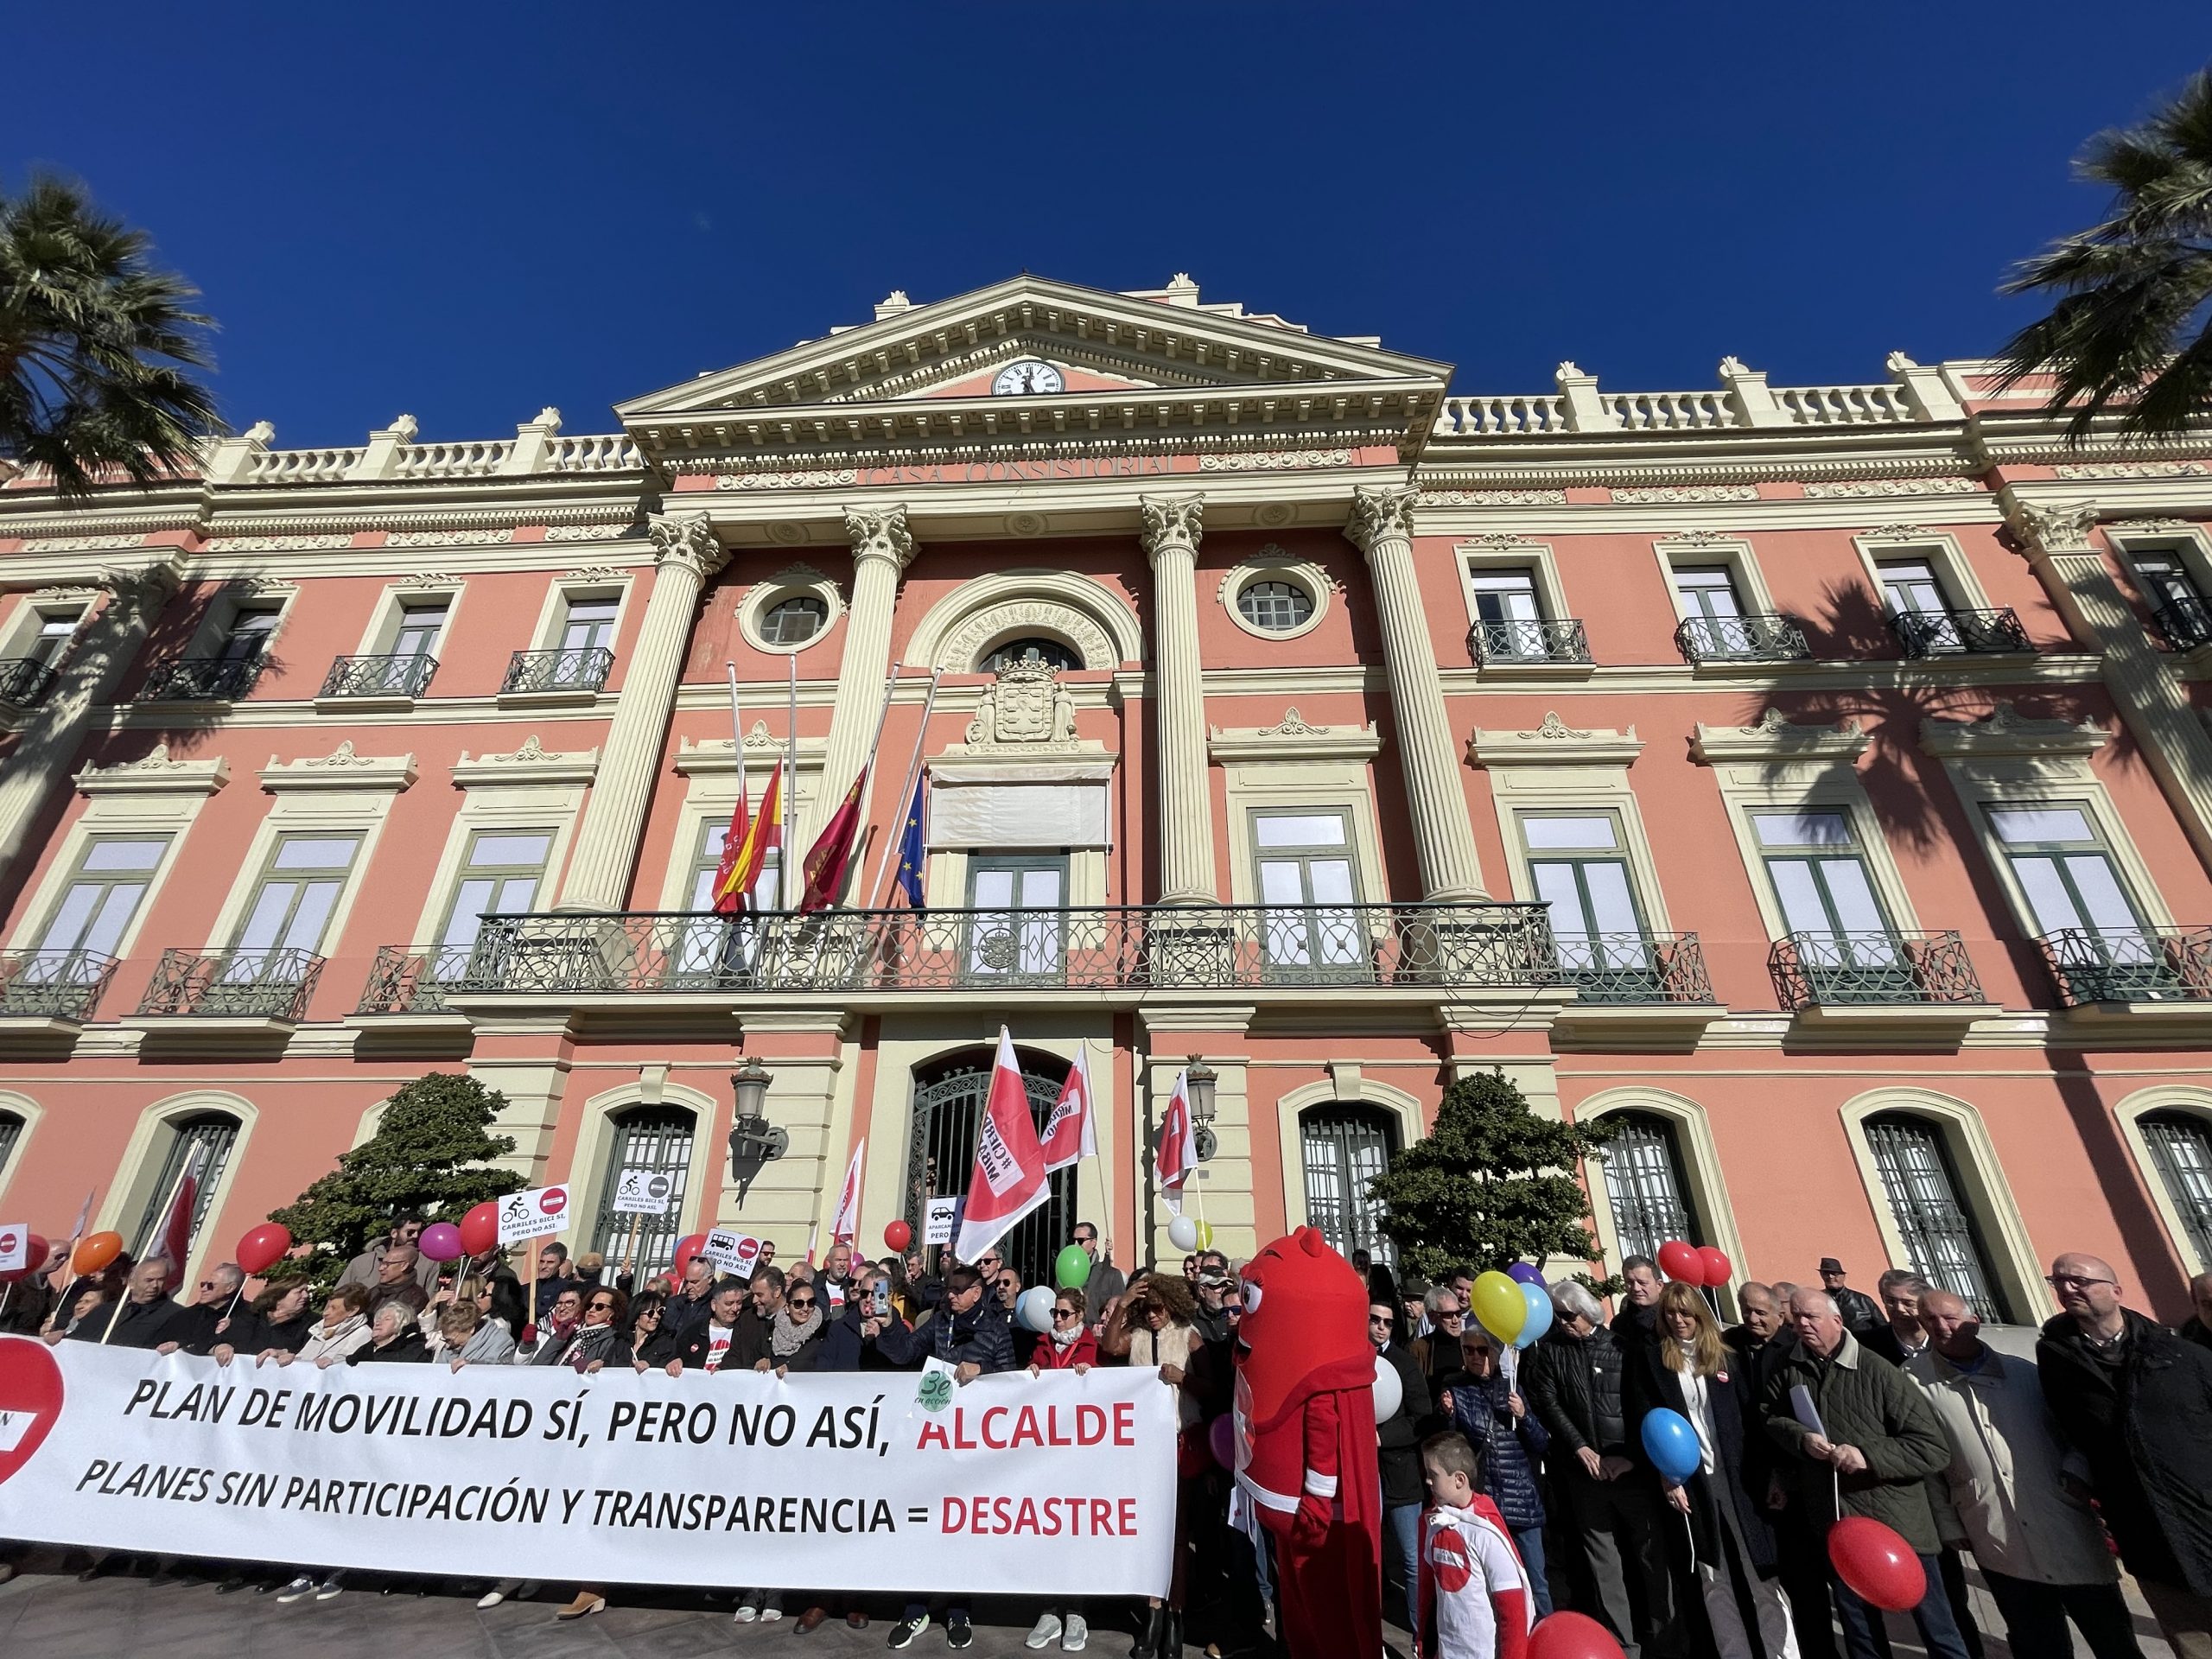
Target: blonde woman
<point x="1155" y="1323"/>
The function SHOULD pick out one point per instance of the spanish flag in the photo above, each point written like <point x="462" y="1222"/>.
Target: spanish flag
<point x="743" y="853"/>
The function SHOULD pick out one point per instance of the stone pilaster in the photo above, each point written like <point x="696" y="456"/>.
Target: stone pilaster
<point x="1171" y="528"/>
<point x="1382" y="527"/>
<point x="685" y="553"/>
<point x="882" y="549"/>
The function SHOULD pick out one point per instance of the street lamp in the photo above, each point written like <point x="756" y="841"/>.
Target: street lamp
<point x="1198" y="1085"/>
<point x="752" y="1140"/>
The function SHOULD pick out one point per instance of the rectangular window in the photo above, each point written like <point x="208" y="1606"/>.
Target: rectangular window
<point x="1577" y="866"/>
<point x="1309" y="887"/>
<point x="500" y="875"/>
<point x="1505" y="596"/>
<point x="291" y="908"/>
<point x="102" y="894"/>
<point x="711" y="950"/>
<point x="1909" y="588"/>
<point x="1819" y="875"/>
<point x="2165" y="580"/>
<point x="250" y="633"/>
<point x="420" y="624"/>
<point x="1708" y="591"/>
<point x="1017" y="932"/>
<point x="2064" y="869"/>
<point x="52" y="637"/>
<point x="590" y="625"/>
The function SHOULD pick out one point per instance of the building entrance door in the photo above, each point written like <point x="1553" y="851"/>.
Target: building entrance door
<point x="948" y="1102"/>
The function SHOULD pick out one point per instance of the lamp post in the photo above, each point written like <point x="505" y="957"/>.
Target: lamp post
<point x="752" y="1140"/>
<point x="1199" y="1079"/>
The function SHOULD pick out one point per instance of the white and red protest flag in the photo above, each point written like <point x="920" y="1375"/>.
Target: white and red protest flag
<point x="1068" y="1133"/>
<point x="177" y="1227"/>
<point x="1009" y="1178"/>
<point x="846" y="1225"/>
<point x="1176" y="1154"/>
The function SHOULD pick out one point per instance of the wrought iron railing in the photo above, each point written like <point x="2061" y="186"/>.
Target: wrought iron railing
<point x="1536" y="639"/>
<point x="1114" y="948"/>
<point x="379" y="676"/>
<point x="1940" y="634"/>
<point x="24" y="681"/>
<point x="202" y="679"/>
<point x="1811" y="968"/>
<point x="411" y="982"/>
<point x="2185" y="620"/>
<point x="2147" y="964"/>
<point x="1622" y="967"/>
<point x="54" y="984"/>
<point x="584" y="668"/>
<point x="269" y="984"/>
<point x="1760" y="639"/>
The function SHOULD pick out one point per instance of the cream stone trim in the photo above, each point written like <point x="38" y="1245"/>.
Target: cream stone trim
<point x="976" y="615"/>
<point x="384" y="619"/>
<point x="1302" y="786"/>
<point x="2188" y="1099"/>
<point x="1554" y="744"/>
<point x="2004" y="732"/>
<point x="601" y="582"/>
<point x="171" y="815"/>
<point x="1508" y="551"/>
<point x="140" y="1166"/>
<point x="712" y="797"/>
<point x="155" y="773"/>
<point x="1701" y="1168"/>
<point x="1824" y="781"/>
<point x="316" y="812"/>
<point x="1703" y="546"/>
<point x="233" y="595"/>
<point x="1522" y="791"/>
<point x="529" y="766"/>
<point x="1961" y="586"/>
<point x="341" y="770"/>
<point x="2190" y="541"/>
<point x="596" y="1136"/>
<point x="34" y="610"/>
<point x="555" y="808"/>
<point x="1271" y="563"/>
<point x="1777" y="741"/>
<point x="19" y="1105"/>
<point x="793" y="582"/>
<point x="718" y="755"/>
<point x="1987" y="1194"/>
<point x="1293" y="738"/>
<point x="1405" y="1110"/>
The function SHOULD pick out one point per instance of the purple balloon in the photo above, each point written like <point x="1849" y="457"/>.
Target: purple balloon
<point x="1526" y="1274"/>
<point x="441" y="1240"/>
<point x="1221" y="1441"/>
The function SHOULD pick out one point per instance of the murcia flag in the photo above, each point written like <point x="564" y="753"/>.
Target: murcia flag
<point x="1176" y="1154"/>
<point x="846" y="1223"/>
<point x="1009" y="1180"/>
<point x="1068" y="1132"/>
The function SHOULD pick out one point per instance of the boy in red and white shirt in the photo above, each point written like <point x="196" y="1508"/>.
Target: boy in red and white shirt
<point x="1475" y="1597"/>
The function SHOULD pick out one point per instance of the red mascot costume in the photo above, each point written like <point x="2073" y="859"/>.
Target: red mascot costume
<point x="1305" y="1443"/>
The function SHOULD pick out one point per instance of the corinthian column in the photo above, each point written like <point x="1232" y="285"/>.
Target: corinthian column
<point x="685" y="553"/>
<point x="1382" y="527"/>
<point x="1171" y="528"/>
<point x="882" y="548"/>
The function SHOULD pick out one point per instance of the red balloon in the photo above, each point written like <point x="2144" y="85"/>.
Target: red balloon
<point x="263" y="1246"/>
<point x="897" y="1236"/>
<point x="686" y="1247"/>
<point x="479" y="1229"/>
<point x="1571" y="1635"/>
<point x="1878" y="1565"/>
<point x="1680" y="1260"/>
<point x="1717" y="1267"/>
<point x="35" y="1251"/>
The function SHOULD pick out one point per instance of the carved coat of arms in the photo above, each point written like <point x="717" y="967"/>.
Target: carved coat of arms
<point x="1026" y="707"/>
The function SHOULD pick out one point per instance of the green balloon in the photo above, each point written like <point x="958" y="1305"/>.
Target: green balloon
<point x="1073" y="1270"/>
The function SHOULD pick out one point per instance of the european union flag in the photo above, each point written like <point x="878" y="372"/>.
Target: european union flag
<point x="910" y="849"/>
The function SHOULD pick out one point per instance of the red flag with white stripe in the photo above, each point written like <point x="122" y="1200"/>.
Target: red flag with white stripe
<point x="1069" y="1132"/>
<point x="1009" y="1180"/>
<point x="1176" y="1154"/>
<point x="846" y="1225"/>
<point x="176" y="1230"/>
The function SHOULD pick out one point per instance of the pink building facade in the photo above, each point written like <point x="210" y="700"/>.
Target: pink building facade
<point x="1815" y="778"/>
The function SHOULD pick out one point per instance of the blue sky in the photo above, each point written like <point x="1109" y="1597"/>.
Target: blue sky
<point x="459" y="214"/>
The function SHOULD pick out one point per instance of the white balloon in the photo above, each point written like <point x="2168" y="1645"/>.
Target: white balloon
<point x="1390" y="1392"/>
<point x="1183" y="1233"/>
<point x="1033" y="1309"/>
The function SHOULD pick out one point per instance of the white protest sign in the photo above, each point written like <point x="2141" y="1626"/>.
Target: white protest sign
<point x="943" y="1220"/>
<point x="15" y="1247"/>
<point x="816" y="1479"/>
<point x="533" y="1213"/>
<point x="732" y="1252"/>
<point x="644" y="1192"/>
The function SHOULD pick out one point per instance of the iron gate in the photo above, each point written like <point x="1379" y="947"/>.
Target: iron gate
<point x="2182" y="1148"/>
<point x="211" y="1135"/>
<point x="657" y="1139"/>
<point x="1346" y="1147"/>
<point x="1644" y="1179"/>
<point x="941" y="1156"/>
<point x="1941" y="1241"/>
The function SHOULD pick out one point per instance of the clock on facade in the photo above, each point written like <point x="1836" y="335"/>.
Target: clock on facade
<point x="1027" y="377"/>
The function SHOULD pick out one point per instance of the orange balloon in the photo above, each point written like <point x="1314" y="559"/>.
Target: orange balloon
<point x="94" y="1251"/>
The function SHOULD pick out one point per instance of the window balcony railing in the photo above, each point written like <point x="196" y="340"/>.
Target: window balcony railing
<point x="379" y="676"/>
<point x="2184" y="621"/>
<point x="401" y="981"/>
<point x="202" y="679"/>
<point x="1740" y="640"/>
<point x="1110" y="949"/>
<point x="1536" y="639"/>
<point x="54" y="984"/>
<point x="1623" y="968"/>
<point x="2148" y="964"/>
<point x="1811" y="970"/>
<point x="1952" y="633"/>
<point x="24" y="681"/>
<point x="582" y="670"/>
<point x="263" y="984"/>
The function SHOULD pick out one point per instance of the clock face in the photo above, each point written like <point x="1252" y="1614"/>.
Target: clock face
<point x="1025" y="378"/>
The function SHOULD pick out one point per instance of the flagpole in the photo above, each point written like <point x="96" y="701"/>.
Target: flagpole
<point x="737" y="752"/>
<point x="786" y="849"/>
<point x="867" y="765"/>
<point x="191" y="1165"/>
<point x="907" y="789"/>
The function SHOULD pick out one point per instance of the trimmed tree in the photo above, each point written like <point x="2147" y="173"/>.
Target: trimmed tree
<point x="1491" y="1182"/>
<point x="430" y="1157"/>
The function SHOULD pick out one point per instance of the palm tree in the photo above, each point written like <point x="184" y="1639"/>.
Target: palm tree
<point x="97" y="348"/>
<point x="2132" y="327"/>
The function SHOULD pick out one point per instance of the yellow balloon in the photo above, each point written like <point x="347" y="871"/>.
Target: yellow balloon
<point x="1500" y="1305"/>
<point x="1205" y="1235"/>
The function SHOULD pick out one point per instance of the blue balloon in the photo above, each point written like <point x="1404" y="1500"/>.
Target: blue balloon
<point x="1540" y="1316"/>
<point x="1671" y="1444"/>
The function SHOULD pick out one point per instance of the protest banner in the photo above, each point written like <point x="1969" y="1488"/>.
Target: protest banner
<point x="942" y="1221"/>
<point x="732" y="1252"/>
<point x="841" y="1482"/>
<point x="533" y="1213"/>
<point x="643" y="1193"/>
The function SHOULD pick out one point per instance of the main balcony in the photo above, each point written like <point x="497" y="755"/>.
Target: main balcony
<point x="1886" y="982"/>
<point x="1523" y="642"/>
<point x="201" y="679"/>
<point x="1954" y="634"/>
<point x="1758" y="638"/>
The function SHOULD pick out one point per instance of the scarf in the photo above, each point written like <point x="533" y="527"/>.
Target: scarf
<point x="1063" y="1341"/>
<point x="786" y="1336"/>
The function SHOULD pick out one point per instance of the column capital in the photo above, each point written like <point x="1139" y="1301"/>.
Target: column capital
<point x="1379" y="515"/>
<point x="687" y="539"/>
<point x="879" y="533"/>
<point x="1173" y="523"/>
<point x="2050" y="526"/>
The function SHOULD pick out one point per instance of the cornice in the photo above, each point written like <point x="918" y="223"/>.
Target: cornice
<point x="1774" y="738"/>
<point x="1553" y="743"/>
<point x="530" y="763"/>
<point x="341" y="770"/>
<point x="2004" y="731"/>
<point x="1519" y="469"/>
<point x="1292" y="739"/>
<point x="157" y="773"/>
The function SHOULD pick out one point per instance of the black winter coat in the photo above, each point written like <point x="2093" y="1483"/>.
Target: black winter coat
<point x="1740" y="1469"/>
<point x="137" y="1324"/>
<point x="1573" y="1383"/>
<point x="2147" y="1434"/>
<point x="1398" y="1440"/>
<point x="974" y="1336"/>
<point x="408" y="1348"/>
<point x="193" y="1329"/>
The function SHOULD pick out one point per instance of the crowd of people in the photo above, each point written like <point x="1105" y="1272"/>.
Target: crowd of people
<point x="2038" y="1456"/>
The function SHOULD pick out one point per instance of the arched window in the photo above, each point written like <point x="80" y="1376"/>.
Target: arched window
<point x="1274" y="605"/>
<point x="652" y="1147"/>
<point x="11" y="1134"/>
<point x="949" y="1101"/>
<point x="1943" y="1239"/>
<point x="795" y="620"/>
<point x="1346" y="1147"/>
<point x="200" y="1143"/>
<point x="1038" y="648"/>
<point x="2181" y="1147"/>
<point x="1644" y="1181"/>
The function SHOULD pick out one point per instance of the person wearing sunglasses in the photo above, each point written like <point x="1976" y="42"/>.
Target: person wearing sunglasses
<point x="593" y="1340"/>
<point x="793" y="1336"/>
<point x="1068" y="1346"/>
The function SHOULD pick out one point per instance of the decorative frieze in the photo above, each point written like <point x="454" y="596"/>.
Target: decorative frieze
<point x="327" y="542"/>
<point x="1818" y="490"/>
<point x="1493" y="498"/>
<point x="532" y="763"/>
<point x="1686" y="493"/>
<point x="81" y="544"/>
<point x="838" y="478"/>
<point x="449" y="537"/>
<point x="592" y="532"/>
<point x="1264" y="461"/>
<point x="1553" y="743"/>
<point x="342" y="769"/>
<point x="2134" y="469"/>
